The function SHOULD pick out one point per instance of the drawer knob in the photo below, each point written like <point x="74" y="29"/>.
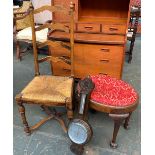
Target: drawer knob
<point x="66" y="26"/>
<point x="104" y="60"/>
<point x="105" y="50"/>
<point x="103" y="73"/>
<point x="88" y="27"/>
<point x="67" y="70"/>
<point x="113" y="29"/>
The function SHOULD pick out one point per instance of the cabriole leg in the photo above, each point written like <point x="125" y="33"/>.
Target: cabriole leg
<point x="126" y="124"/>
<point x="115" y="132"/>
<point x="118" y="118"/>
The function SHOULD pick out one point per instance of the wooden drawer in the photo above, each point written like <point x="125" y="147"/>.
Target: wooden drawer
<point x="68" y="25"/>
<point x="59" y="51"/>
<point x="98" y="59"/>
<point x="90" y="28"/>
<point x="91" y="59"/>
<point x="83" y="70"/>
<point x="114" y="29"/>
<point x="61" y="69"/>
<point x="92" y="54"/>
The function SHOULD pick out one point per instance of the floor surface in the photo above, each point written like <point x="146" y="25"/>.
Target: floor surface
<point x="50" y="139"/>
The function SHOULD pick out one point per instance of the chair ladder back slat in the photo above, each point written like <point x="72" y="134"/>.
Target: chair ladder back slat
<point x="53" y="44"/>
<point x="56" y="8"/>
<point x="54" y="59"/>
<point x="47" y="58"/>
<point x="53" y="26"/>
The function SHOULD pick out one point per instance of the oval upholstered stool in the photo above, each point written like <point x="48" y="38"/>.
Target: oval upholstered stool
<point x="115" y="97"/>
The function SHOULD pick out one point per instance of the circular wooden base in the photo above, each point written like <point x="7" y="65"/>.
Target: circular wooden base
<point x="77" y="149"/>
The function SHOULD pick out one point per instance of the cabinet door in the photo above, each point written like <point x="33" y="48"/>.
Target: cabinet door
<point x="59" y="17"/>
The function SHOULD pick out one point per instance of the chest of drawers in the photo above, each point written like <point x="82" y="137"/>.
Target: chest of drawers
<point x="100" y="37"/>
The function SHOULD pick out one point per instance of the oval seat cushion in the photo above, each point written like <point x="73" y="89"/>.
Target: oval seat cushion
<point x="113" y="92"/>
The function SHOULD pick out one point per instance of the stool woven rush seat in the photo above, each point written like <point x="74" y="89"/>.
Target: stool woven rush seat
<point x="115" y="97"/>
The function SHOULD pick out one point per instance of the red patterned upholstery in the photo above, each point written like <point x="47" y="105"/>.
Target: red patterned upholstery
<point x="135" y="3"/>
<point x="113" y="92"/>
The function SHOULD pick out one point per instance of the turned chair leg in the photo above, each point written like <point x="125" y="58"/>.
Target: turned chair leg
<point x="21" y="109"/>
<point x="118" y="118"/>
<point x="126" y="124"/>
<point x="69" y="110"/>
<point x="69" y="113"/>
<point x="130" y="51"/>
<point x="18" y="55"/>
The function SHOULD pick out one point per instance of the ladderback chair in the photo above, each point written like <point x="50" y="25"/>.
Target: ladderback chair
<point x="47" y="90"/>
<point x="18" y="12"/>
<point x="115" y="97"/>
<point x="22" y="25"/>
<point x="21" y="22"/>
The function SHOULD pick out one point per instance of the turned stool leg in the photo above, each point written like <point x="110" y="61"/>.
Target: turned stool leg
<point x="126" y="124"/>
<point x="118" y="118"/>
<point x="22" y="113"/>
